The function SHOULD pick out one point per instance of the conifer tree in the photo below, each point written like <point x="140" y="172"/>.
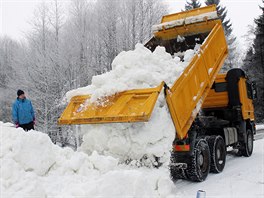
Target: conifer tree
<point x="232" y="59"/>
<point x="192" y="4"/>
<point x="254" y="64"/>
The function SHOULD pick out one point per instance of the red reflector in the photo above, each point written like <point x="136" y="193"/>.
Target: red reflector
<point x="185" y="147"/>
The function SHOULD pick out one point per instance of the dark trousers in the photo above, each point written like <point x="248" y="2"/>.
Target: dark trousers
<point x="28" y="126"/>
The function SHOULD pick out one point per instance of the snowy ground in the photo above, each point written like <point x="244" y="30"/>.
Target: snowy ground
<point x="242" y="177"/>
<point x="260" y="127"/>
<point x="32" y="166"/>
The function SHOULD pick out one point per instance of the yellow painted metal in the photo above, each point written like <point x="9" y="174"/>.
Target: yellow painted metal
<point x="247" y="104"/>
<point x="184" y="99"/>
<point x="187" y="29"/>
<point x="128" y="106"/>
<point x="216" y="99"/>
<point x="188" y="93"/>
<point x="189" y="13"/>
<point x="220" y="99"/>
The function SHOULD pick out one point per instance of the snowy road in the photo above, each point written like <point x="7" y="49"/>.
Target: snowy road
<point x="242" y="177"/>
<point x="259" y="134"/>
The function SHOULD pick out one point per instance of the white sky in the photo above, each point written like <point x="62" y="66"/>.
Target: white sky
<point x="16" y="14"/>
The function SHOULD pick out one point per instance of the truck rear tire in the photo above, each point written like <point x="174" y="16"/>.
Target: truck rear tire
<point x="218" y="153"/>
<point x="247" y="146"/>
<point x="199" y="166"/>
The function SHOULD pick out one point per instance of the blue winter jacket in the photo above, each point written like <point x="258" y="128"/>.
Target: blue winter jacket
<point x="22" y="111"/>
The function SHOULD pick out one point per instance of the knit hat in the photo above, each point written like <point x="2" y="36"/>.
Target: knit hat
<point x="20" y="92"/>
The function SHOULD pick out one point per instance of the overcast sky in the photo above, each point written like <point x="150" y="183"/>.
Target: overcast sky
<point x="16" y="14"/>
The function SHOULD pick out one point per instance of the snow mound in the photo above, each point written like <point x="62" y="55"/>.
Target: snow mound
<point x="21" y="147"/>
<point x="133" y="141"/>
<point x="147" y="142"/>
<point x="32" y="166"/>
<point x="34" y="152"/>
<point x="75" y="174"/>
<point x="139" y="68"/>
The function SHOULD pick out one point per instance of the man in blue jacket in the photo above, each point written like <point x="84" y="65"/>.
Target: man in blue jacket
<point x="23" y="112"/>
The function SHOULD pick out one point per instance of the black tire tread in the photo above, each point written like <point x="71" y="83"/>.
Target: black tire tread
<point x="244" y="147"/>
<point x="212" y="140"/>
<point x="192" y="171"/>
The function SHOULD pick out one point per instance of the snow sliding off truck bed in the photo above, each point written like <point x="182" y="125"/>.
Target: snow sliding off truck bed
<point x="209" y="110"/>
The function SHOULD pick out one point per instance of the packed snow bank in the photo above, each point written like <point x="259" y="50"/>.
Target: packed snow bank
<point x="136" y="141"/>
<point x="75" y="174"/>
<point x="139" y="68"/>
<point x="7" y="124"/>
<point x="32" y="166"/>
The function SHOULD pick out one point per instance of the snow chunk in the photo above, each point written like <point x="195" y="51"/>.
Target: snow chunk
<point x="165" y="185"/>
<point x="26" y="149"/>
<point x="187" y="20"/>
<point x="180" y="39"/>
<point x="210" y="70"/>
<point x="139" y="68"/>
<point x="132" y="140"/>
<point x="188" y="55"/>
<point x="201" y="17"/>
<point x="103" y="163"/>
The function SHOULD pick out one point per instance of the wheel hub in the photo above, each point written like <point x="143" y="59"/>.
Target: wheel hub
<point x="201" y="159"/>
<point x="218" y="153"/>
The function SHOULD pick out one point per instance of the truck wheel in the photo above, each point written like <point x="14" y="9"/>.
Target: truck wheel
<point x="218" y="153"/>
<point x="247" y="146"/>
<point x="199" y="167"/>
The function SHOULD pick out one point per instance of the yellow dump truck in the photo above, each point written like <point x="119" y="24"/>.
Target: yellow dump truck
<point x="210" y="111"/>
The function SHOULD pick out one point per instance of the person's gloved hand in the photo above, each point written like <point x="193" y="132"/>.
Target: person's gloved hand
<point x="17" y="125"/>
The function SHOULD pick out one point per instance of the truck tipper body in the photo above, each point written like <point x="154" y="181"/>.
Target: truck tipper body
<point x="210" y="111"/>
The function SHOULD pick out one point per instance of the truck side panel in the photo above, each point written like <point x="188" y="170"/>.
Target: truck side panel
<point x="188" y="13"/>
<point x="217" y="97"/>
<point x="187" y="95"/>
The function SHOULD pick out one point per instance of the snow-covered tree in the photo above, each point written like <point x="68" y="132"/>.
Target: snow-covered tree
<point x="136" y="20"/>
<point x="45" y="66"/>
<point x="7" y="61"/>
<point x="232" y="60"/>
<point x="191" y="4"/>
<point x="79" y="35"/>
<point x="39" y="66"/>
<point x="12" y="74"/>
<point x="66" y="47"/>
<point x="109" y="24"/>
<point x="254" y="64"/>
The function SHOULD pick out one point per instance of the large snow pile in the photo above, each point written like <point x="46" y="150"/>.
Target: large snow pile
<point x="32" y="166"/>
<point x="139" y="68"/>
